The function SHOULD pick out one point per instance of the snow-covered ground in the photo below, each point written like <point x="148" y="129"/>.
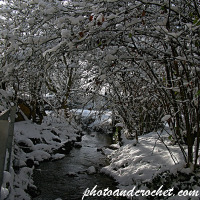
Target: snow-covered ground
<point x="148" y="165"/>
<point x="140" y="165"/>
<point x="34" y="143"/>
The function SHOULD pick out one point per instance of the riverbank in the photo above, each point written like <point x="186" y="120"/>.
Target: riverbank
<point x="33" y="144"/>
<point x="149" y="165"/>
<point x="145" y="166"/>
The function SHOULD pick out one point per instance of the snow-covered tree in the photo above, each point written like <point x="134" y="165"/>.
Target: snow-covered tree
<point x="141" y="56"/>
<point x="156" y="43"/>
<point x="29" y="28"/>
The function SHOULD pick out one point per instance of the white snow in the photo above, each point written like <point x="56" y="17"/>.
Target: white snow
<point x="181" y="58"/>
<point x="114" y="50"/>
<point x="175" y="35"/>
<point x="110" y="57"/>
<point x="117" y="146"/>
<point x="41" y="141"/>
<point x="55" y="48"/>
<point x="6" y="177"/>
<point x="131" y="165"/>
<point x="165" y="118"/>
<point x="105" y="117"/>
<point x="44" y="147"/>
<point x="112" y="16"/>
<point x="108" y="151"/>
<point x="176" y="89"/>
<point x="49" y="11"/>
<point x="99" y="18"/>
<point x="119" y="124"/>
<point x="39" y="155"/>
<point x="74" y="20"/>
<point x="58" y="156"/>
<point x="4" y="193"/>
<point x="65" y="33"/>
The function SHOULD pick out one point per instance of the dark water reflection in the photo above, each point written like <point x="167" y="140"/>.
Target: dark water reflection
<point x="53" y="180"/>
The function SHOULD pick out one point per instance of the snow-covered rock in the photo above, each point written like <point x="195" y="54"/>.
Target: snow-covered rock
<point x="35" y="143"/>
<point x="4" y="193"/>
<point x="58" y="156"/>
<point x="91" y="170"/>
<point x="107" y="151"/>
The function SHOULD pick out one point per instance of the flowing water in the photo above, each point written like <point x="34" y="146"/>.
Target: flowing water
<point x="53" y="177"/>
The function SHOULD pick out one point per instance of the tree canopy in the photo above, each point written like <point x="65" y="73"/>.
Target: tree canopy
<point x="141" y="57"/>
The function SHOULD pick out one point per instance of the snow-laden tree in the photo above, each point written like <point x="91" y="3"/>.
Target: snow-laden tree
<point x="141" y="56"/>
<point x="156" y="43"/>
<point x="160" y="41"/>
<point x="28" y="29"/>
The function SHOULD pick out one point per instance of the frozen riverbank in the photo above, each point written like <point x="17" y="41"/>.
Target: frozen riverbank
<point x="35" y="143"/>
<point x="146" y="166"/>
<point x="149" y="165"/>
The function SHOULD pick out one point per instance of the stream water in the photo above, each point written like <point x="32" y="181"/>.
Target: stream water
<point x="53" y="177"/>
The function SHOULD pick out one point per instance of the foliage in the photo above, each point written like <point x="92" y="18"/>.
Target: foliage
<point x="142" y="57"/>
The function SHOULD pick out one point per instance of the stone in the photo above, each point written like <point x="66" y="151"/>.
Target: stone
<point x="91" y="170"/>
<point x="77" y="145"/>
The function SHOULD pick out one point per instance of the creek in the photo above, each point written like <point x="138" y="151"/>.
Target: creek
<point x="67" y="178"/>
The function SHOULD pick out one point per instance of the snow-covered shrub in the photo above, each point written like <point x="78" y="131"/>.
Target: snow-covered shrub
<point x="34" y="143"/>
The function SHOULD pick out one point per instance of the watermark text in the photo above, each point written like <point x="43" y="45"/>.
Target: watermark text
<point x="131" y="193"/>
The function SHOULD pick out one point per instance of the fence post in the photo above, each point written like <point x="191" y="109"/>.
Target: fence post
<point x="10" y="135"/>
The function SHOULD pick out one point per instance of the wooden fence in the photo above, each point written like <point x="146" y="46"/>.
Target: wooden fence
<point x="7" y="120"/>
